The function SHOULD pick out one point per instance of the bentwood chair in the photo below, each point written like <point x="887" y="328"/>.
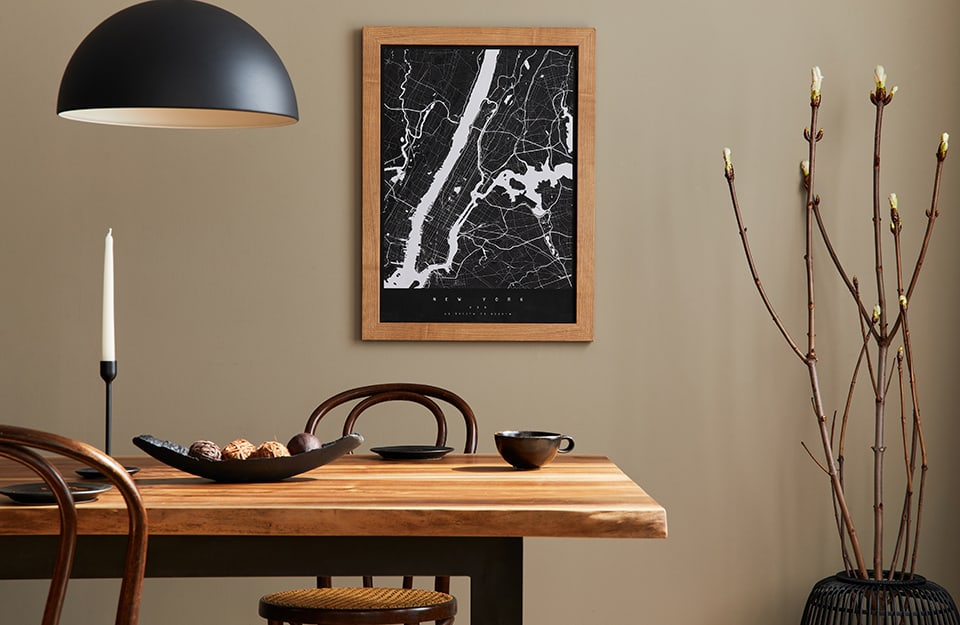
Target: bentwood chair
<point x="369" y="605"/>
<point x="22" y="446"/>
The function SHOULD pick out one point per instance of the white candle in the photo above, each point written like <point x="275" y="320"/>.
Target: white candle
<point x="108" y="345"/>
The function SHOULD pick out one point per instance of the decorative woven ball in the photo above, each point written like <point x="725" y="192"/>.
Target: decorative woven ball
<point x="240" y="449"/>
<point x="271" y="449"/>
<point x="205" y="450"/>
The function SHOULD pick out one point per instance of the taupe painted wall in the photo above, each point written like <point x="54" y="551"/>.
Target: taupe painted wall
<point x="237" y="260"/>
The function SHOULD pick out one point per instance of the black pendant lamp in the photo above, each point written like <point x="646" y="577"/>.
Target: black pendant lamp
<point x="177" y="64"/>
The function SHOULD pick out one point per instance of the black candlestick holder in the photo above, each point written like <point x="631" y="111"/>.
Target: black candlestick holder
<point x="108" y="372"/>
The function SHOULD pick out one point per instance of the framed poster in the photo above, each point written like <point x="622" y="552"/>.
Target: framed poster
<point x="478" y="184"/>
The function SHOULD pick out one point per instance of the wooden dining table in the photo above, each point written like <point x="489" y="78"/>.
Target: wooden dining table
<point x="461" y="515"/>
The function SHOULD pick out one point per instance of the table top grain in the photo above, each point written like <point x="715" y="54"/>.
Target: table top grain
<point x="577" y="495"/>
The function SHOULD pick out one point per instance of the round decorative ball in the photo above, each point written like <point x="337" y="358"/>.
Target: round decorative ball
<point x="204" y="450"/>
<point x="271" y="449"/>
<point x="240" y="449"/>
<point x="303" y="442"/>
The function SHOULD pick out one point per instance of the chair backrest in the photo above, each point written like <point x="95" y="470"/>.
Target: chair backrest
<point x="22" y="445"/>
<point x="423" y="394"/>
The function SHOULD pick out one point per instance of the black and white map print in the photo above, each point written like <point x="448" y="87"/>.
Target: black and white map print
<point x="478" y="194"/>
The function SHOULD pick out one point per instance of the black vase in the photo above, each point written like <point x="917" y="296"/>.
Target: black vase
<point x="844" y="600"/>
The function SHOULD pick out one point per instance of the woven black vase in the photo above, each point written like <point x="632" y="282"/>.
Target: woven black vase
<point x="844" y="600"/>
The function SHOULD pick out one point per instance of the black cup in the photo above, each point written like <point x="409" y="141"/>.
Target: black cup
<point x="529" y="449"/>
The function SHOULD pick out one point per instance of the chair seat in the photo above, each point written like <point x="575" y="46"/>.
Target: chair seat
<point x="358" y="605"/>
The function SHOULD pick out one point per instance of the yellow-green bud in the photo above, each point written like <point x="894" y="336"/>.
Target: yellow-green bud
<point x="893" y="201"/>
<point x="944" y="143"/>
<point x="816" y="80"/>
<point x="727" y="162"/>
<point x="805" y="168"/>
<point x="880" y="77"/>
<point x="876" y="313"/>
<point x="903" y="301"/>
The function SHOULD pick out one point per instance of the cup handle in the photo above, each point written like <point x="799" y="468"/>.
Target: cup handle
<point x="569" y="444"/>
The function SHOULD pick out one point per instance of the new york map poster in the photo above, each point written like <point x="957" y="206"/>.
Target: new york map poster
<point x="478" y="186"/>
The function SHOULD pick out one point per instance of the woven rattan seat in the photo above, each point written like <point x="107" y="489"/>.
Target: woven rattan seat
<point x="375" y="605"/>
<point x="322" y="606"/>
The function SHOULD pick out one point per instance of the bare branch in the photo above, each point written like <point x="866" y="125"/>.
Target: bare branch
<point x="908" y="491"/>
<point x="851" y="284"/>
<point x="811" y="359"/>
<point x="918" y="430"/>
<point x="812" y="457"/>
<point x="932" y="214"/>
<point x="753" y="268"/>
<point x="878" y="446"/>
<point x="849" y="402"/>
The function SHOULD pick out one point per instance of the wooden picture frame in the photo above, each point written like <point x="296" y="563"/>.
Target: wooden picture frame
<point x="478" y="184"/>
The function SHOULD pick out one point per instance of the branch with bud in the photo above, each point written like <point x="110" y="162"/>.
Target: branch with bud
<point x="816" y="82"/>
<point x="878" y="336"/>
<point x="879" y="94"/>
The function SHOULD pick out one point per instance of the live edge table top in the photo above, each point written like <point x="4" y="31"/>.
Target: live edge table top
<point x="577" y="495"/>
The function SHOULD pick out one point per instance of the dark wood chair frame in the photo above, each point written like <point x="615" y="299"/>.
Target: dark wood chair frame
<point x="21" y="445"/>
<point x="366" y="397"/>
<point x="400" y="391"/>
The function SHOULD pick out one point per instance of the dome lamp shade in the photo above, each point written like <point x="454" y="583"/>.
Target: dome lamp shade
<point x="177" y="64"/>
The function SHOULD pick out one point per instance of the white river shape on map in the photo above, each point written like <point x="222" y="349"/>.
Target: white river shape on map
<point x="406" y="275"/>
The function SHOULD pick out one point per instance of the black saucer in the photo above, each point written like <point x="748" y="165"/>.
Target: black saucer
<point x="40" y="493"/>
<point x="411" y="452"/>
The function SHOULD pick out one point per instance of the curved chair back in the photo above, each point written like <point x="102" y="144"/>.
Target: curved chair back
<point x="422" y="394"/>
<point x="22" y="445"/>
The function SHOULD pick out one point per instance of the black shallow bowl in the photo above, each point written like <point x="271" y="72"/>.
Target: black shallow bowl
<point x="251" y="469"/>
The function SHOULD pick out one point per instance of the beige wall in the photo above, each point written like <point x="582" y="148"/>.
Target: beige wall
<point x="238" y="285"/>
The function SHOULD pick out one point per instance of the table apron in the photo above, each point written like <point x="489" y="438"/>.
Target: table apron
<point x="493" y="564"/>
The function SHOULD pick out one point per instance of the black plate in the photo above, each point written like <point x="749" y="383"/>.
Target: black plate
<point x="411" y="452"/>
<point x="39" y="492"/>
<point x="251" y="469"/>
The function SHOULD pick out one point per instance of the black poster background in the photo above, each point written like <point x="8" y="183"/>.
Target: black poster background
<point x="516" y="258"/>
